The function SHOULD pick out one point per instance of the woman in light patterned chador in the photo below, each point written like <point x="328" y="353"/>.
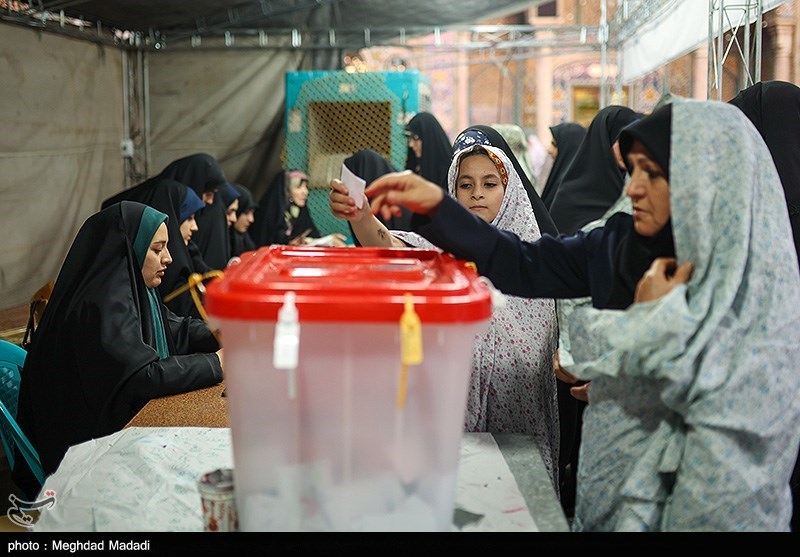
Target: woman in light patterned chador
<point x="693" y="339"/>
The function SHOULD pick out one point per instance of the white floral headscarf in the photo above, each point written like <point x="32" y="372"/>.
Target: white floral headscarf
<point x="512" y="386"/>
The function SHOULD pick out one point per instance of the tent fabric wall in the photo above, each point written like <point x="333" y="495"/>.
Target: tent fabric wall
<point x="63" y="99"/>
<point x="680" y="30"/>
<point x="225" y="103"/>
<point x="61" y="117"/>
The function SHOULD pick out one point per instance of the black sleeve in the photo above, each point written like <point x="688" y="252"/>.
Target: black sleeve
<point x="249" y="244"/>
<point x="551" y="267"/>
<point x="236" y="242"/>
<point x="199" y="264"/>
<point x="190" y="335"/>
<point x="303" y="223"/>
<point x="171" y="376"/>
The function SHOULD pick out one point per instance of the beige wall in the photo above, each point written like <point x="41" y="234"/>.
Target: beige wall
<point x="62" y="119"/>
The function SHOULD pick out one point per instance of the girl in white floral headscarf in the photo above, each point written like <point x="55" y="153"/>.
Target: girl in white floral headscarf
<point x="512" y="386"/>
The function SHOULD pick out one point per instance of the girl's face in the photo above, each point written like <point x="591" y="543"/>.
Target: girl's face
<point x="648" y="189"/>
<point x="299" y="193"/>
<point x="188" y="227"/>
<point x="479" y="187"/>
<point x="157" y="258"/>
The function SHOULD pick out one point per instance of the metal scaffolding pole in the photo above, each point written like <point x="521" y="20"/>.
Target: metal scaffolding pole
<point x="604" y="53"/>
<point x="725" y="19"/>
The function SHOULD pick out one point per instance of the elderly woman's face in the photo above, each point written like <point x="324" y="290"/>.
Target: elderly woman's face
<point x="648" y="189"/>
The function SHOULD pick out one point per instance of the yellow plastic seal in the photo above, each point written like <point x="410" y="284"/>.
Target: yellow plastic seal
<point x="410" y="346"/>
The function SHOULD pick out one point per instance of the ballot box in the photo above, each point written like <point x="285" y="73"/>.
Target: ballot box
<point x="347" y="372"/>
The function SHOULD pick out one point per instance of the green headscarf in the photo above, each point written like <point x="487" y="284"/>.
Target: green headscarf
<point x="151" y="220"/>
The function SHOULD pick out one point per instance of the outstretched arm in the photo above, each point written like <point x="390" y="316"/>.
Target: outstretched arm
<point x="369" y="230"/>
<point x="392" y="191"/>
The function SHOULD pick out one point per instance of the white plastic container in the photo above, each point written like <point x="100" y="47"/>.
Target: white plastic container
<point x="351" y="439"/>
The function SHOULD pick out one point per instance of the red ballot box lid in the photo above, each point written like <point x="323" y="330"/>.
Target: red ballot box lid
<point x="350" y="284"/>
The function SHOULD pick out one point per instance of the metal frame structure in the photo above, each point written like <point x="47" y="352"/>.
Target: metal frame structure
<point x="498" y="44"/>
<point x="220" y="32"/>
<point x="515" y="41"/>
<point x="630" y="17"/>
<point x="136" y="117"/>
<point x="733" y="15"/>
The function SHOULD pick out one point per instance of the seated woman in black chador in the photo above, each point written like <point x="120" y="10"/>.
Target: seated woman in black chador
<point x="240" y="237"/>
<point x="283" y="216"/>
<point x="208" y="247"/>
<point x="180" y="203"/>
<point x="106" y="344"/>
<point x="205" y="176"/>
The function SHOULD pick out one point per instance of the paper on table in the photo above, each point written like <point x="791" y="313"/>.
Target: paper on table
<point x="487" y="495"/>
<point x="145" y="479"/>
<point x="355" y="186"/>
<point x="329" y="240"/>
<point x="138" y="479"/>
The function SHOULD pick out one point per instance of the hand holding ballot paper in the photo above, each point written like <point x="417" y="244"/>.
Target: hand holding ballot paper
<point x="348" y="202"/>
<point x="347" y="199"/>
<point x="355" y="186"/>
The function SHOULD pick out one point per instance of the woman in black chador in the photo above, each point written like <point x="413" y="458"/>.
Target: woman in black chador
<point x="594" y="180"/>
<point x="106" y="343"/>
<point x="282" y="216"/>
<point x="181" y="204"/>
<point x="240" y="236"/>
<point x="204" y="175"/>
<point x="429" y="152"/>
<point x="567" y="137"/>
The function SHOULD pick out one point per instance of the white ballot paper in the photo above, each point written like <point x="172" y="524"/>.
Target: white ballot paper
<point x="355" y="186"/>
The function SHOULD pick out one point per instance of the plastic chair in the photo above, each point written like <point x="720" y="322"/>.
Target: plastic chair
<point x="12" y="358"/>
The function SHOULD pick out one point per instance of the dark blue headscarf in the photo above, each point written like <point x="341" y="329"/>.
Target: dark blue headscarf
<point x="190" y="205"/>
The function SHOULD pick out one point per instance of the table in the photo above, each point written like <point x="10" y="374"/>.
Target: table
<point x="143" y="478"/>
<point x="202" y="408"/>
